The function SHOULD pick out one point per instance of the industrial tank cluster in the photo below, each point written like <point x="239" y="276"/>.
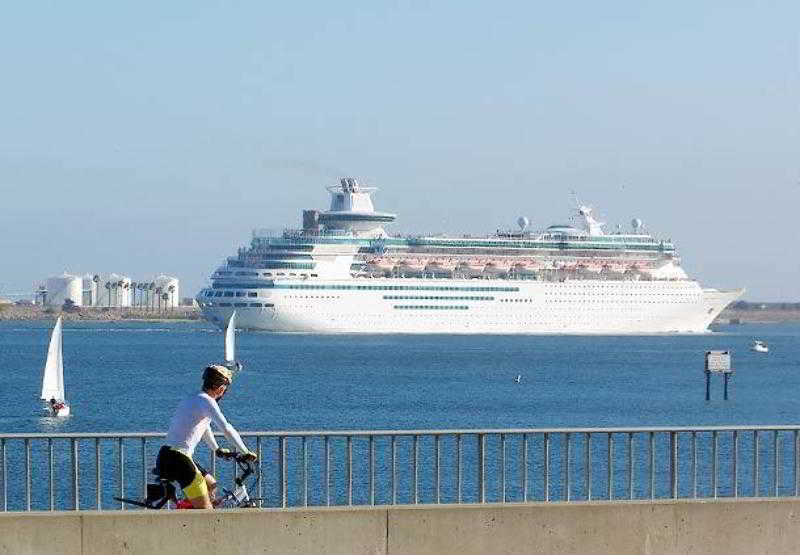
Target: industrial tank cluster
<point x="109" y="290"/>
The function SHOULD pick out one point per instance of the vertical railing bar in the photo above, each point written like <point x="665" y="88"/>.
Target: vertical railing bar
<point x="284" y="473"/>
<point x="694" y="465"/>
<point x="503" y="467"/>
<point x="630" y="465"/>
<point x="144" y="467"/>
<point x="349" y="470"/>
<point x="27" y="474"/>
<point x="481" y="462"/>
<point x="567" y="484"/>
<point x="587" y="466"/>
<point x="652" y="460"/>
<point x="97" y="466"/>
<point x="328" y="470"/>
<point x="371" y="470"/>
<point x="75" y="492"/>
<point x="51" y="473"/>
<point x="546" y="467"/>
<point x="714" y="465"/>
<point x="214" y="466"/>
<point x="4" y="473"/>
<point x="260" y="473"/>
<point x="121" y="471"/>
<point x="524" y="467"/>
<point x="414" y="471"/>
<point x="458" y="466"/>
<point x="438" y="475"/>
<point x="776" y="474"/>
<point x="673" y="464"/>
<point x="735" y="463"/>
<point x="394" y="470"/>
<point x="610" y="466"/>
<point x="755" y="464"/>
<point x="305" y="471"/>
<point x="796" y="462"/>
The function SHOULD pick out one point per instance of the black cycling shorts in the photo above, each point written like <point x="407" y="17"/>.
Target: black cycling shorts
<point x="175" y="466"/>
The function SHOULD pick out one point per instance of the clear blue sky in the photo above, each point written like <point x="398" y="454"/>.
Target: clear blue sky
<point x="153" y="136"/>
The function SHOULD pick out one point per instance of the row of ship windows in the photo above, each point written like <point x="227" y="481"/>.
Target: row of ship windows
<point x="434" y="298"/>
<point x="264" y="274"/>
<point x="242" y="305"/>
<point x="231" y="294"/>
<point x="430" y="307"/>
<point x="364" y="287"/>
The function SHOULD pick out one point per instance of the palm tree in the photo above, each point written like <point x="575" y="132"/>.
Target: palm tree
<point x="108" y="293"/>
<point x="171" y="289"/>
<point x="158" y="296"/>
<point x="120" y="286"/>
<point x="140" y="287"/>
<point x="133" y="292"/>
<point x="165" y="296"/>
<point x="96" y="280"/>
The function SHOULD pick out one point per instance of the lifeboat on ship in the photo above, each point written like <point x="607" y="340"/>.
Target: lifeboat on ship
<point x="439" y="267"/>
<point x="470" y="267"/>
<point x="380" y="265"/>
<point x="496" y="267"/>
<point x="409" y="266"/>
<point x="522" y="267"/>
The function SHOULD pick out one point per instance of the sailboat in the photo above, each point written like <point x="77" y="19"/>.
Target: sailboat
<point x="53" y="378"/>
<point x="230" y="344"/>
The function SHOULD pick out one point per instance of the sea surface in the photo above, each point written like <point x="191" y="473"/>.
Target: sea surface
<point x="129" y="376"/>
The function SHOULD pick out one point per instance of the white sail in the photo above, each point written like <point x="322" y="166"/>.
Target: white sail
<point x="230" y="339"/>
<point x="53" y="379"/>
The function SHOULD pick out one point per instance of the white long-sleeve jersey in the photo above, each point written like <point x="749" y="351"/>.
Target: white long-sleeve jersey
<point x="192" y="420"/>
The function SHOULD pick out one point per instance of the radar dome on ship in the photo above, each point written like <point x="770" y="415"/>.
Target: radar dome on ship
<point x="636" y="223"/>
<point x="523" y="222"/>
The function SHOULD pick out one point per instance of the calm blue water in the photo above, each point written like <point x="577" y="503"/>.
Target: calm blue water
<point x="129" y="376"/>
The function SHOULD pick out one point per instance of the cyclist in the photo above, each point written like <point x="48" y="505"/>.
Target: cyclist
<point x="190" y="422"/>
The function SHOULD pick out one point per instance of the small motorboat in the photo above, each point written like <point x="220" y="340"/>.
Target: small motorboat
<point x="53" y="378"/>
<point x="760" y="347"/>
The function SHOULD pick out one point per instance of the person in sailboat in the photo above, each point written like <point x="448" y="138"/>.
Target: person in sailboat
<point x="55" y="406"/>
<point x="191" y="422"/>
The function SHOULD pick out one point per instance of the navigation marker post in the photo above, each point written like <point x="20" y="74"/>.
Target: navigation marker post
<point x="718" y="362"/>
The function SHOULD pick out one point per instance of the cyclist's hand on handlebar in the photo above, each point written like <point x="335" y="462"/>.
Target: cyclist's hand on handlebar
<point x="249" y="456"/>
<point x="223" y="453"/>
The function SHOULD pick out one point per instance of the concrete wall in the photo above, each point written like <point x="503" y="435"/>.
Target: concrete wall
<point x="726" y="527"/>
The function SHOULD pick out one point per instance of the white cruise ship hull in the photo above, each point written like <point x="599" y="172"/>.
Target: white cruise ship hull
<point x="474" y="306"/>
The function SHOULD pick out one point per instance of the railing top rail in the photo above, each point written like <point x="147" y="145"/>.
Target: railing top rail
<point x="421" y="432"/>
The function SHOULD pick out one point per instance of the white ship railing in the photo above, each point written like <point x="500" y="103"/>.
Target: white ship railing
<point x="313" y="468"/>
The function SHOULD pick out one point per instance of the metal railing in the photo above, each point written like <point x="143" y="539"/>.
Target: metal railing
<point x="312" y="468"/>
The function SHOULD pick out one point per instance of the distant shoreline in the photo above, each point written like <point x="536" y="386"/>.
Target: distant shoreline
<point x="752" y="314"/>
<point x="101" y="314"/>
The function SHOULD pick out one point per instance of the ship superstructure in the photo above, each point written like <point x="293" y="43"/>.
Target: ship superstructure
<point x="342" y="272"/>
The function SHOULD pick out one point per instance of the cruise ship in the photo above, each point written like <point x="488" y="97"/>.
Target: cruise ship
<point x="343" y="273"/>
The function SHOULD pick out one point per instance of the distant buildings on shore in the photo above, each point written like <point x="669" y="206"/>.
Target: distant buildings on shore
<point x="108" y="290"/>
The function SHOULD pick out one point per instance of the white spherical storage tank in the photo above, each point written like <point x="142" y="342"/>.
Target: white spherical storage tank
<point x="168" y="286"/>
<point x="114" y="290"/>
<point x="62" y="288"/>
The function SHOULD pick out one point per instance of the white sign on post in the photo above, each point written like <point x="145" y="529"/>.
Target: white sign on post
<point x="718" y="361"/>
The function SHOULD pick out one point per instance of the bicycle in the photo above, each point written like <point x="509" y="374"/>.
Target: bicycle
<point x="164" y="491"/>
